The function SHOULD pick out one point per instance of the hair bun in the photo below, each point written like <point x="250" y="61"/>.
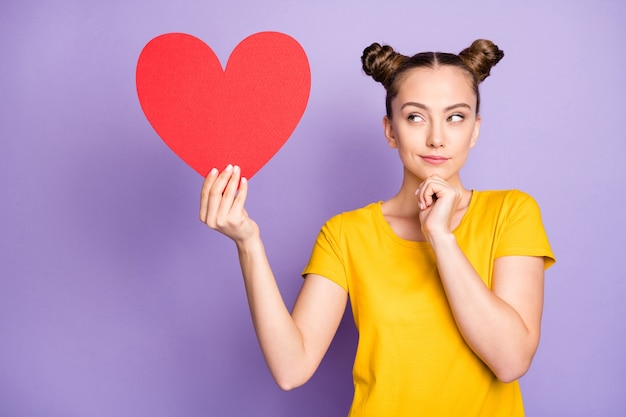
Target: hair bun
<point x="381" y="62"/>
<point x="481" y="56"/>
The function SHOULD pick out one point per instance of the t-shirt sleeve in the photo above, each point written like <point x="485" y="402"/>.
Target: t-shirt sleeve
<point x="522" y="231"/>
<point x="326" y="258"/>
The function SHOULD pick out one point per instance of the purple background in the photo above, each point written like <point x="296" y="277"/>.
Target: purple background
<point x="116" y="301"/>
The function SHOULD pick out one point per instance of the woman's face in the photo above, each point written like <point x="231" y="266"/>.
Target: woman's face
<point x="434" y="123"/>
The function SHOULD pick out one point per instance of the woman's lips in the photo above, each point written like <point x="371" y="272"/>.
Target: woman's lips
<point x="434" y="159"/>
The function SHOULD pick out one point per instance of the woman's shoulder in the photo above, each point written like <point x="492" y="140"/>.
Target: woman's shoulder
<point x="357" y="216"/>
<point x="506" y="203"/>
<point x="359" y="212"/>
<point x="511" y="196"/>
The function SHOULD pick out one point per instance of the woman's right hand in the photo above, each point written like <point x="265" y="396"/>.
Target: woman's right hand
<point x="292" y="346"/>
<point x="222" y="205"/>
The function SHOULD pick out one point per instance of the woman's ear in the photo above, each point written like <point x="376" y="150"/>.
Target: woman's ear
<point x="476" y="131"/>
<point x="389" y="133"/>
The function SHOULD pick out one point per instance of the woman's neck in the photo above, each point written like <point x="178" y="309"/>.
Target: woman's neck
<point x="404" y="203"/>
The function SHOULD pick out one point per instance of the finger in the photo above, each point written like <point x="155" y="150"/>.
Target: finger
<point x="230" y="192"/>
<point x="204" y="194"/>
<point x="424" y="194"/>
<point x="419" y="194"/>
<point x="420" y="198"/>
<point x="431" y="195"/>
<point x="216" y="196"/>
<point x="429" y="191"/>
<point x="240" y="200"/>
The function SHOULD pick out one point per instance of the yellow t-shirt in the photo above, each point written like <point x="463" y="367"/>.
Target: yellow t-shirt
<point x="411" y="359"/>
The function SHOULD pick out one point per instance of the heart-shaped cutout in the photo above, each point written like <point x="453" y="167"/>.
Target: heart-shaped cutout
<point x="211" y="117"/>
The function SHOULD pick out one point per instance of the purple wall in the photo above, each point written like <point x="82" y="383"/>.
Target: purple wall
<point x="116" y="301"/>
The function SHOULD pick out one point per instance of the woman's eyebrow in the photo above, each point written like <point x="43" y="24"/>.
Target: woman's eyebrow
<point x="425" y="107"/>
<point x="415" y="104"/>
<point x="456" y="106"/>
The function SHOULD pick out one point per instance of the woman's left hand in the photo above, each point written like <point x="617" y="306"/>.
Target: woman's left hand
<point x="438" y="202"/>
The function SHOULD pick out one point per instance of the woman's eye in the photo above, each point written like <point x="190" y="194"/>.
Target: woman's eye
<point x="416" y="118"/>
<point x="456" y="118"/>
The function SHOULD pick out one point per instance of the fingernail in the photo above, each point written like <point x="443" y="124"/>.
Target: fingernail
<point x="229" y="167"/>
<point x="213" y="172"/>
<point x="236" y="168"/>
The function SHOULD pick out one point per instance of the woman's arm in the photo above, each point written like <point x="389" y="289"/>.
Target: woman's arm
<point x="293" y="344"/>
<point x="501" y="325"/>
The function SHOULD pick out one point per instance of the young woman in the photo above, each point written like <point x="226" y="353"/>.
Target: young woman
<point x="445" y="283"/>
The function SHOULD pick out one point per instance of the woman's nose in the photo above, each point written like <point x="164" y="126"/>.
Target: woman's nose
<point x="435" y="137"/>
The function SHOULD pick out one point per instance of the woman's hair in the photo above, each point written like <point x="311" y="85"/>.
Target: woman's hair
<point x="390" y="68"/>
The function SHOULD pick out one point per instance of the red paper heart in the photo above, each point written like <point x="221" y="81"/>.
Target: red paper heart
<point x="212" y="117"/>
